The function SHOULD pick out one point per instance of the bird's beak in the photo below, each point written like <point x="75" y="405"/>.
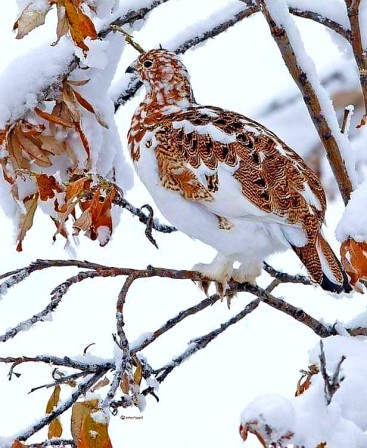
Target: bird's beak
<point x="130" y="69"/>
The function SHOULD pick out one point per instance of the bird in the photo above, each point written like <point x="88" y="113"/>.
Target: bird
<point x="226" y="180"/>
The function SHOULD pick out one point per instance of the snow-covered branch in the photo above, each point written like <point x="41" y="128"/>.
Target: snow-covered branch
<point x="318" y="103"/>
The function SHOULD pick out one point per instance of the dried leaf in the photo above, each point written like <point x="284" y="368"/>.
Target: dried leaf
<point x="54" y="428"/>
<point x="17" y="444"/>
<point x="87" y="430"/>
<point x="103" y="382"/>
<point x="354" y="260"/>
<point x="54" y="399"/>
<point x="80" y="25"/>
<point x="29" y="19"/>
<point x="62" y="23"/>
<point x="32" y="146"/>
<point x="52" y="145"/>
<point x="81" y="82"/>
<point x="138" y="374"/>
<point x="362" y="122"/>
<point x="124" y="385"/>
<point x="305" y="381"/>
<point x="47" y="186"/>
<point x="26" y="220"/>
<point x="54" y="118"/>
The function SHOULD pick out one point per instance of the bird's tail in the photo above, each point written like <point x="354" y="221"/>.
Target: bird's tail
<point x="323" y="265"/>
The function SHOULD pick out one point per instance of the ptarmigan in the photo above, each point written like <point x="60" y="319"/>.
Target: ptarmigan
<point x="226" y="180"/>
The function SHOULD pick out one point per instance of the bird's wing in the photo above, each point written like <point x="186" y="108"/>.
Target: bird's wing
<point x="237" y="168"/>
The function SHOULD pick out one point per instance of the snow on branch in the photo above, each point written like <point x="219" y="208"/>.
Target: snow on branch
<point x="359" y="47"/>
<point x="318" y="103"/>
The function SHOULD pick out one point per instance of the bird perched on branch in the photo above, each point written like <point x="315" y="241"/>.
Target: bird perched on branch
<point x="226" y="180"/>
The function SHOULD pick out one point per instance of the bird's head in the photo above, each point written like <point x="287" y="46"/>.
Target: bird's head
<point x="164" y="76"/>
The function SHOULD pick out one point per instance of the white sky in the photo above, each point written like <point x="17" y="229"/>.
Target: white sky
<point x="200" y="403"/>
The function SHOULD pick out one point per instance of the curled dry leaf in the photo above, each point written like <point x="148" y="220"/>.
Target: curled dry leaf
<point x="354" y="260"/>
<point x="305" y="381"/>
<point x="30" y="18"/>
<point x="87" y="429"/>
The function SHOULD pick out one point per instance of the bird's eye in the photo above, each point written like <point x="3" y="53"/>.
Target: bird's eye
<point x="147" y="63"/>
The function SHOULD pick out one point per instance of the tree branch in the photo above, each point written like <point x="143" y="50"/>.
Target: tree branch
<point x="312" y="102"/>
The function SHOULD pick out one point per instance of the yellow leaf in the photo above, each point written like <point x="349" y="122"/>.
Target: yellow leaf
<point x="138" y="374"/>
<point x="54" y="428"/>
<point x="89" y="425"/>
<point x="80" y="25"/>
<point x="53" y="400"/>
<point x="29" y="20"/>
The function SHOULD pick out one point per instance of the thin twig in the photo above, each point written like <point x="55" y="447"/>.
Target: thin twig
<point x="150" y="223"/>
<point x="201" y="342"/>
<point x="53" y="442"/>
<point x="284" y="277"/>
<point x="209" y="301"/>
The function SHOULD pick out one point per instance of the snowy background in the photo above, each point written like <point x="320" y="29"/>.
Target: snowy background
<point x="202" y="400"/>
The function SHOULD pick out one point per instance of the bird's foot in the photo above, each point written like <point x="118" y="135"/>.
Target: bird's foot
<point x="219" y="271"/>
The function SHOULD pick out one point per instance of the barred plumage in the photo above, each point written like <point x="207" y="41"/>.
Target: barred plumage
<point x="226" y="179"/>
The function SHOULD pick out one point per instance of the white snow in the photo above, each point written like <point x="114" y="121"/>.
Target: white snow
<point x="354" y="220"/>
<point x="340" y="424"/>
<point x="25" y="78"/>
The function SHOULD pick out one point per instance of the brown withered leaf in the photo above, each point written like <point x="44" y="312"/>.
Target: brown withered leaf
<point x="246" y="429"/>
<point x="47" y="186"/>
<point x="29" y="19"/>
<point x="26" y="220"/>
<point x="101" y="383"/>
<point x="124" y="385"/>
<point x="354" y="260"/>
<point x="87" y="431"/>
<point x="305" y="381"/>
<point x="55" y="427"/>
<point x="18" y="444"/>
<point x="83" y="102"/>
<point x="57" y="119"/>
<point x="53" y="146"/>
<point x="100" y="213"/>
<point x="80" y="25"/>
<point x="362" y="122"/>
